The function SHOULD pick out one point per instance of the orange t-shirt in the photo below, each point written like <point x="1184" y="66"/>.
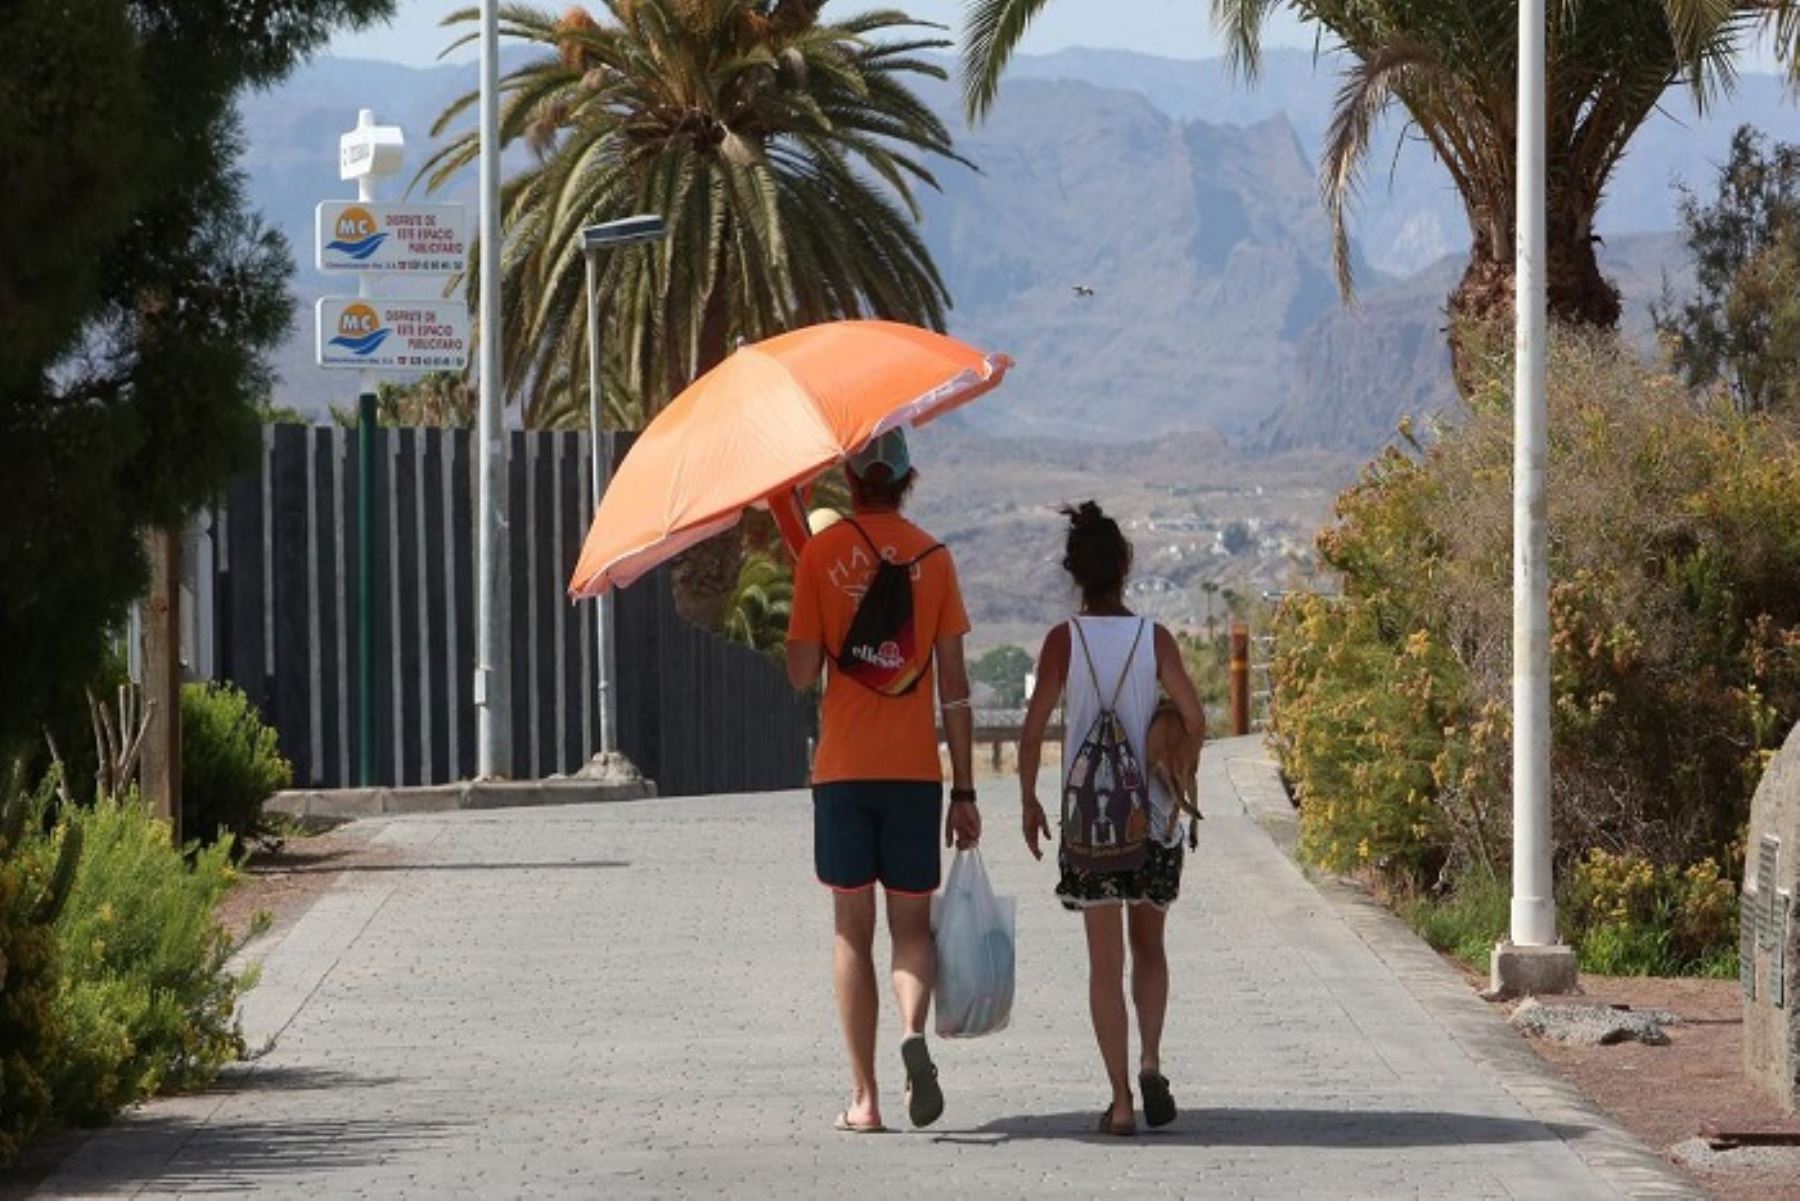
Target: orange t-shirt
<point x="865" y="735"/>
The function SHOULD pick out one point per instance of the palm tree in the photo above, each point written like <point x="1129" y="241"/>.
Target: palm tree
<point x="1452" y="65"/>
<point x="1210" y="588"/>
<point x="783" y="152"/>
<point x="756" y="613"/>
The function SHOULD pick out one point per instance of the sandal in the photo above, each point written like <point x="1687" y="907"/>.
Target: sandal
<point x="1159" y="1102"/>
<point x="845" y="1126"/>
<point x="924" y="1097"/>
<point x="1123" y="1129"/>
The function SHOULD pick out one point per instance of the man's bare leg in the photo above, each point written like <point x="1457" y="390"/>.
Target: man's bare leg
<point x="859" y="1002"/>
<point x="915" y="971"/>
<point x="915" y="958"/>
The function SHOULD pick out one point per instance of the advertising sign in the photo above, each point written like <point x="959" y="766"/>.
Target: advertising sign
<point x="407" y="239"/>
<point x="393" y="335"/>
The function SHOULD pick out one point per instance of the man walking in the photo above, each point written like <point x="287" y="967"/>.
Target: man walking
<point x="877" y="608"/>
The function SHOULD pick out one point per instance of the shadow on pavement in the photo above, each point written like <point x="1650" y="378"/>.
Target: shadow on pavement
<point x="1327" y="1128"/>
<point x="253" y="1077"/>
<point x="231" y="1158"/>
<point x="556" y="865"/>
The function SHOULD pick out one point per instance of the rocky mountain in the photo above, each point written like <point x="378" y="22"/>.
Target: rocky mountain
<point x="1204" y="247"/>
<point x="1409" y="216"/>
<point x="1186" y="203"/>
<point x="1361" y="368"/>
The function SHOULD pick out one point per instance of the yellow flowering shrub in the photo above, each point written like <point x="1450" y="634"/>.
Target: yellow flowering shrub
<point x="1628" y="916"/>
<point x="1675" y="623"/>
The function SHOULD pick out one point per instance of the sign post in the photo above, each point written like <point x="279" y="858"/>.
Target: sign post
<point x="367" y="334"/>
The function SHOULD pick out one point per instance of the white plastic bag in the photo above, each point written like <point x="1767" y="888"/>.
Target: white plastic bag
<point x="974" y="928"/>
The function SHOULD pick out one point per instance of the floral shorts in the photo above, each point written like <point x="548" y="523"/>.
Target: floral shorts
<point x="1156" y="883"/>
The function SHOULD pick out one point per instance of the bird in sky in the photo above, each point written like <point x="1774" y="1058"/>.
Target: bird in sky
<point x="1083" y="291"/>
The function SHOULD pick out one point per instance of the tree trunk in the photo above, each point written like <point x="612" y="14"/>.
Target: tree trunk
<point x="1481" y="308"/>
<point x="162" y="681"/>
<point x="706" y="576"/>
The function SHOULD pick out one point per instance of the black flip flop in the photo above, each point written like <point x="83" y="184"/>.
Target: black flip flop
<point x="1159" y="1102"/>
<point x="924" y="1098"/>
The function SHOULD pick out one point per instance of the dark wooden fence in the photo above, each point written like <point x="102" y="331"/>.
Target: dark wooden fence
<point x="696" y="714"/>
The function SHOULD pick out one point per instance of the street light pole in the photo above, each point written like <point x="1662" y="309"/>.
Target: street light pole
<point x="1531" y="962"/>
<point x="627" y="231"/>
<point x="365" y="526"/>
<point x="492" y="690"/>
<point x="600" y="464"/>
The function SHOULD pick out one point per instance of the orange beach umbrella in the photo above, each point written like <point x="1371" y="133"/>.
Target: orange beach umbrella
<point x="763" y="423"/>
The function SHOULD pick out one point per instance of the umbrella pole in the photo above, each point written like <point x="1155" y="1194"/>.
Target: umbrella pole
<point x="789" y="512"/>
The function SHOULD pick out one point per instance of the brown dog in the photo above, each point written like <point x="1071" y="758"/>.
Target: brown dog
<point x="1174" y="757"/>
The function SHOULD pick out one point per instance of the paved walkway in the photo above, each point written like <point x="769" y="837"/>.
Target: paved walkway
<point x="633" y="1000"/>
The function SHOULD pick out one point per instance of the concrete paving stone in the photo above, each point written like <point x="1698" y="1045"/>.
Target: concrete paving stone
<point x="623" y="1001"/>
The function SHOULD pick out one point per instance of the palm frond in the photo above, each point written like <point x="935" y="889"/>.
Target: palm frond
<point x="1367" y="91"/>
<point x="992" y="32"/>
<point x="1239" y="24"/>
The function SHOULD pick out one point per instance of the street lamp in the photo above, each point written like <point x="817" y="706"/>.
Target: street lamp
<point x="608" y="235"/>
<point x="1531" y="960"/>
<point x="493" y="690"/>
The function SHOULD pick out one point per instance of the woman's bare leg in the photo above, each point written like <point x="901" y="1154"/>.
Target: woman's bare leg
<point x="1149" y="980"/>
<point x="1106" y="1002"/>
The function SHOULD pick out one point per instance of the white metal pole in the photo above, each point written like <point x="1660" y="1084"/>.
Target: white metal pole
<point x="1533" y="901"/>
<point x="601" y="471"/>
<point x="492" y="711"/>
<point x="365" y="280"/>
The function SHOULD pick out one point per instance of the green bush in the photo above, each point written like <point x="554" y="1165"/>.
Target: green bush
<point x="1629" y="917"/>
<point x="1467" y="921"/>
<point x="1624" y="917"/>
<point x="1675" y="541"/>
<point x="231" y="764"/>
<point x="145" y="1004"/>
<point x="1004" y="669"/>
<point x="34" y="885"/>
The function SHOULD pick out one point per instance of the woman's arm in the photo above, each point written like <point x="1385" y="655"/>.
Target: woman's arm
<point x="1172" y="673"/>
<point x="1052" y="672"/>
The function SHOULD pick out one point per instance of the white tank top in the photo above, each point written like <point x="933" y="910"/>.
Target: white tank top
<point x="1109" y="640"/>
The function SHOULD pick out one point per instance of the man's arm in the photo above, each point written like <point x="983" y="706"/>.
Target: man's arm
<point x="806" y="627"/>
<point x="805" y="660"/>
<point x="962" y="826"/>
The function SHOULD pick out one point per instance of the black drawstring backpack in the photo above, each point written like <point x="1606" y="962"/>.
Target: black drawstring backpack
<point x="880" y="652"/>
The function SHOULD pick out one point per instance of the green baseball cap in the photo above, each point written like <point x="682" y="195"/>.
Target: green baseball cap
<point x="888" y="450"/>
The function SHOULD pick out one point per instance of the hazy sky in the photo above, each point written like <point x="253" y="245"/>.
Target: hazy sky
<point x="1172" y="28"/>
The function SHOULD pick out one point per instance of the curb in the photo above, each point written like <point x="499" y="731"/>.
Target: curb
<point x="1616" y="1155"/>
<point x="451" y="798"/>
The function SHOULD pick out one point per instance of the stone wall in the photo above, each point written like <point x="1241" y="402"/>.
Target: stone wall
<point x="1769" y="954"/>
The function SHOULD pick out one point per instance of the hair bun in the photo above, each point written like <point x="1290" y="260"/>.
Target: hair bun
<point x="1086" y="517"/>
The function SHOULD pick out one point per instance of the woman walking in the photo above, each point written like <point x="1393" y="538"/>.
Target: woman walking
<point x="1121" y="848"/>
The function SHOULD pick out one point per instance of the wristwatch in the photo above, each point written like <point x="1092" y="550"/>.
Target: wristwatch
<point x="962" y="794"/>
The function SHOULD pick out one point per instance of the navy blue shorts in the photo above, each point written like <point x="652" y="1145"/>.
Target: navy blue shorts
<point x="886" y="831"/>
